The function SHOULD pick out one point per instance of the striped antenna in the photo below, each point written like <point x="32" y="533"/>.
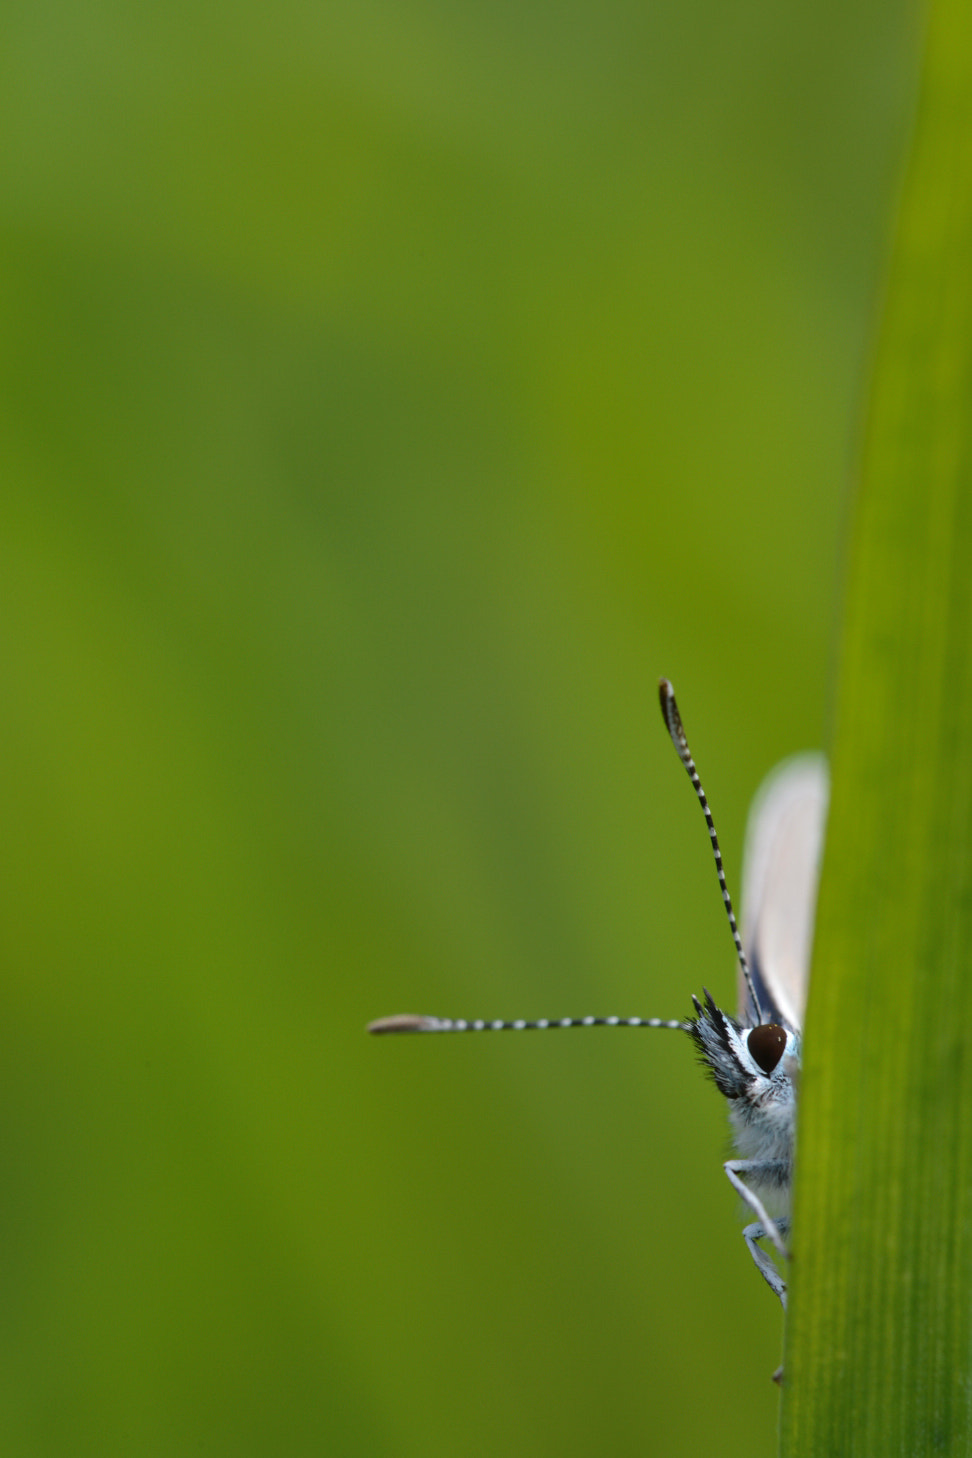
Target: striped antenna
<point x="413" y="1023"/>
<point x="673" y="721"/>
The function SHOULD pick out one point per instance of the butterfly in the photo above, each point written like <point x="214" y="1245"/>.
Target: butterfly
<point x="754" y="1057"/>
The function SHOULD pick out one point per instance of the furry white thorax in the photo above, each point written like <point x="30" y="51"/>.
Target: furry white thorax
<point x="762" y="1106"/>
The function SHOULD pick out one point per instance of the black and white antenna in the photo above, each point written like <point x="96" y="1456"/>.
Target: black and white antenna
<point x="416" y="1023"/>
<point x="673" y="721"/>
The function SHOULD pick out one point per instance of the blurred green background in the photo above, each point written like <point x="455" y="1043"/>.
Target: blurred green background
<point x="390" y="393"/>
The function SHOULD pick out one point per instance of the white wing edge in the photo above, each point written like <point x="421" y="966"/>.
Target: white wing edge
<point x="781" y="870"/>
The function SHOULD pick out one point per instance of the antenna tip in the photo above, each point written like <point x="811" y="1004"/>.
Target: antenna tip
<point x="669" y="708"/>
<point x="401" y="1023"/>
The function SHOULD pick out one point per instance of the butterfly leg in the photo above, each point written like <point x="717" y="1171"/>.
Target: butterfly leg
<point x="763" y="1228"/>
<point x="763" y="1263"/>
<point x="766" y="1172"/>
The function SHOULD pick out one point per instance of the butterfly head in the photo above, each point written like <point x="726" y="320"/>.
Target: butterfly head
<point x="756" y="1068"/>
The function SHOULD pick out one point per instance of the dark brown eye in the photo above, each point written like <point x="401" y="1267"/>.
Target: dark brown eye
<point x="766" y="1044"/>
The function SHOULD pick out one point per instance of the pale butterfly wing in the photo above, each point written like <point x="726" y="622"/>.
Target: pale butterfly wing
<point x="781" y="867"/>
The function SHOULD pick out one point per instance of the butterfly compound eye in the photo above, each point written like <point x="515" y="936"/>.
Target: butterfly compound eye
<point x="766" y="1044"/>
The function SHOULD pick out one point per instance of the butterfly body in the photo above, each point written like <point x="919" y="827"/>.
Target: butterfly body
<point x="762" y="1103"/>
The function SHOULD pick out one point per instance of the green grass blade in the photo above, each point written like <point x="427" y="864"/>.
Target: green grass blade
<point x="879" y="1340"/>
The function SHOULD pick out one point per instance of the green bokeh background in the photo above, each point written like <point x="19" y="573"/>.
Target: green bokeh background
<point x="390" y="393"/>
